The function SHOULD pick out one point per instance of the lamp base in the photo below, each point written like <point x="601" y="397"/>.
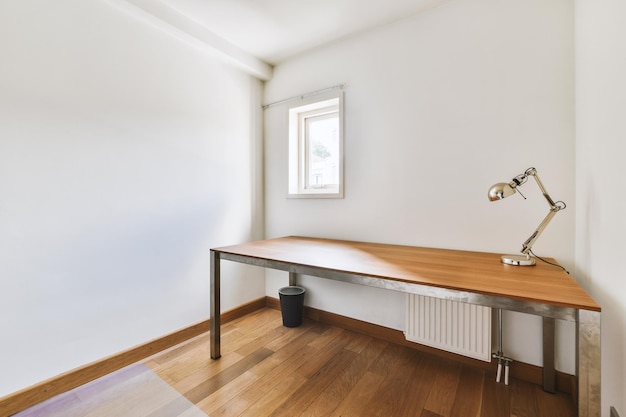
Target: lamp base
<point x="518" y="260"/>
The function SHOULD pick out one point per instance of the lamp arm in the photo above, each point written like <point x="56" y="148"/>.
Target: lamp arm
<point x="527" y="246"/>
<point x="554" y="208"/>
<point x="533" y="173"/>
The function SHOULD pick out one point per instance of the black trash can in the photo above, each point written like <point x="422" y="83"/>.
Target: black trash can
<point x="291" y="305"/>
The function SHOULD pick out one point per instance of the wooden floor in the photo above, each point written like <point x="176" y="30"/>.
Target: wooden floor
<point x="318" y="370"/>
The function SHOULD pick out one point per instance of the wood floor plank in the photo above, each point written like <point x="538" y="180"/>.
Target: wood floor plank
<point x="254" y="321"/>
<point x="469" y="394"/>
<point x="327" y="336"/>
<point x="360" y="342"/>
<point x="288" y="336"/>
<point x="523" y="400"/>
<point x="190" y="362"/>
<point x="182" y="363"/>
<point x="242" y="338"/>
<point x="280" y="372"/>
<point x="315" y="385"/>
<point x="278" y="368"/>
<point x="419" y="386"/>
<point x="272" y="399"/>
<point x="554" y="405"/>
<point x="274" y="367"/>
<point x="288" y="361"/>
<point x="231" y="408"/>
<point x="388" y="399"/>
<point x="496" y="398"/>
<point x="334" y="394"/>
<point x="428" y="413"/>
<point x="175" y="352"/>
<point x="324" y="353"/>
<point x="195" y="375"/>
<point x="253" y="343"/>
<point x="443" y="391"/>
<point x="288" y="357"/>
<point x="387" y="359"/>
<point x="225" y="398"/>
<point x="215" y="382"/>
<point x="356" y="401"/>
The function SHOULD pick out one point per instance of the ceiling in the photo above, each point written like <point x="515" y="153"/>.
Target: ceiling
<point x="274" y="30"/>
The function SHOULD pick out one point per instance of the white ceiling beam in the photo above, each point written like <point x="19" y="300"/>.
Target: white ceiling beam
<point x="176" y="24"/>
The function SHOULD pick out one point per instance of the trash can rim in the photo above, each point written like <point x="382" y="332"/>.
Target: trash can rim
<point x="291" y="290"/>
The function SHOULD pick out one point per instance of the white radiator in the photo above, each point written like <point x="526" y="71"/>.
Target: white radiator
<point x="461" y="328"/>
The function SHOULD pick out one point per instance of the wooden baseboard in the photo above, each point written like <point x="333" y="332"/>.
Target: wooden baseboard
<point x="565" y="383"/>
<point x="42" y="391"/>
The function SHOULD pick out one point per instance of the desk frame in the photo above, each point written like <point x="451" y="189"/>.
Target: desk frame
<point x="587" y="321"/>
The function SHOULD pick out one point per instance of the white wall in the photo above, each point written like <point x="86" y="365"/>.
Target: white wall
<point x="439" y="107"/>
<point x="124" y="156"/>
<point x="600" y="151"/>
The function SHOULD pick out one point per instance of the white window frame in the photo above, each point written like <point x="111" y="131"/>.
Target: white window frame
<point x="298" y="178"/>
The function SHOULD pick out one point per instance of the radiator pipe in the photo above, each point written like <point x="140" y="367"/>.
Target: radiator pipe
<point x="499" y="355"/>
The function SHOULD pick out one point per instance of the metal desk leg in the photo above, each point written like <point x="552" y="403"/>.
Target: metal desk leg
<point x="292" y="278"/>
<point x="588" y="363"/>
<point x="215" y="306"/>
<point x="549" y="373"/>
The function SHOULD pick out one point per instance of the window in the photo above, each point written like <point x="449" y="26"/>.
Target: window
<point x="316" y="148"/>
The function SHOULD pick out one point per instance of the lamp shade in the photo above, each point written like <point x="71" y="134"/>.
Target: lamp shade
<point x="500" y="190"/>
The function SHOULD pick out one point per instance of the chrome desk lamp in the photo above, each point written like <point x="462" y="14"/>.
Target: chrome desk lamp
<point x="502" y="190"/>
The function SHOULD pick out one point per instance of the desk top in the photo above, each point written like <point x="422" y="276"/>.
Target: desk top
<point x="477" y="272"/>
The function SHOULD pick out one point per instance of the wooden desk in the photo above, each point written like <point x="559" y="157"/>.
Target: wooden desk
<point x="469" y="277"/>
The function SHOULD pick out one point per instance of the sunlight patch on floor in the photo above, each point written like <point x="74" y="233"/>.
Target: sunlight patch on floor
<point x="134" y="391"/>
